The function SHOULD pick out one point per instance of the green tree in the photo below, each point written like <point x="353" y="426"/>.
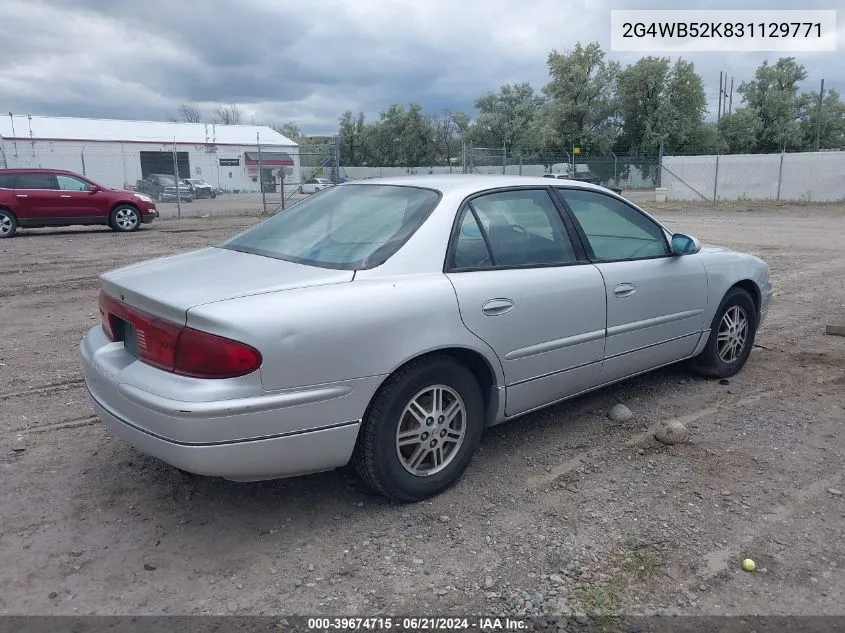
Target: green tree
<point x="741" y="131"/>
<point x="663" y="104"/>
<point x="705" y="139"/>
<point x="644" y="105"/>
<point x="832" y="119"/>
<point x="289" y="129"/>
<point x="400" y="138"/>
<point x="448" y="128"/>
<point x="352" y="138"/>
<point x="580" y="106"/>
<point x="773" y="97"/>
<point x="505" y="117"/>
<point x="685" y="128"/>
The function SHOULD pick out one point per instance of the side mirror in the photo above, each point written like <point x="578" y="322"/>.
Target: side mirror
<point x="93" y="188"/>
<point x="684" y="244"/>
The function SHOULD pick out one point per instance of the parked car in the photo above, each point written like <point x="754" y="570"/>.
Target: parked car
<point x="389" y="322"/>
<point x="162" y="187"/>
<point x="313" y="185"/>
<point x="32" y="198"/>
<point x="586" y="176"/>
<point x="200" y="188"/>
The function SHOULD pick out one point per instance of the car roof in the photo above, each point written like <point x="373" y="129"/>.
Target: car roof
<point x="39" y="170"/>
<point x="467" y="184"/>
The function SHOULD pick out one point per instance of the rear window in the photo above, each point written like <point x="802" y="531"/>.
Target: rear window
<point x="347" y="227"/>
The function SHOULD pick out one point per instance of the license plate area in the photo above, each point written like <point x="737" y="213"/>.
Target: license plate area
<point x="130" y="338"/>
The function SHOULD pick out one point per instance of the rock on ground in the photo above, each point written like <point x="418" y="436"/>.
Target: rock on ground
<point x="619" y="413"/>
<point x="671" y="433"/>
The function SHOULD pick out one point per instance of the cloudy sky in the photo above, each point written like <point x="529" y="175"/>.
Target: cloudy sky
<point x="289" y="60"/>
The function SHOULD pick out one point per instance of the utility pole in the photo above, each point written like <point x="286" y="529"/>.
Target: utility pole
<point x="819" y="116"/>
<point x="176" y="176"/>
<point x="261" y="175"/>
<point x="719" y="108"/>
<point x="731" y="97"/>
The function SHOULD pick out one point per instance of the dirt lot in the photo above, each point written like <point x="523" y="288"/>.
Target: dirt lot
<point x="561" y="512"/>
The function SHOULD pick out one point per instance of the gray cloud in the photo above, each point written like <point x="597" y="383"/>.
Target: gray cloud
<point x="310" y="61"/>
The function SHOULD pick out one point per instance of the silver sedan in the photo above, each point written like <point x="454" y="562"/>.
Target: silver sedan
<point x="389" y="322"/>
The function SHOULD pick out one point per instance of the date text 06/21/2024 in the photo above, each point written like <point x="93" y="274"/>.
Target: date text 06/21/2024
<point x="733" y="30"/>
<point x="416" y="624"/>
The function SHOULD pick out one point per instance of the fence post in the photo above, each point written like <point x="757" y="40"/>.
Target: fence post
<point x="282" y="184"/>
<point x="660" y="166"/>
<point x="716" y="179"/>
<point x="176" y="176"/>
<point x="261" y="174"/>
<point x="504" y="158"/>
<point x="520" y="164"/>
<point x="336" y="159"/>
<point x="780" y="171"/>
<point x="82" y="157"/>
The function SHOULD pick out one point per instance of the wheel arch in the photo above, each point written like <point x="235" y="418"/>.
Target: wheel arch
<point x="477" y="363"/>
<point x="751" y="288"/>
<point x="123" y="203"/>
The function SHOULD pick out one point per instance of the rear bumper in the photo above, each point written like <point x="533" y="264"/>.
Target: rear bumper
<point x="297" y="453"/>
<point x="229" y="428"/>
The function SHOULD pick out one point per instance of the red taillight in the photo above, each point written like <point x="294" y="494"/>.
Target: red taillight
<point x="105" y="315"/>
<point x="203" y="355"/>
<point x="176" y="348"/>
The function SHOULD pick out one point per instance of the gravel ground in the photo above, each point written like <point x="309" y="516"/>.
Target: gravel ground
<point x="564" y="512"/>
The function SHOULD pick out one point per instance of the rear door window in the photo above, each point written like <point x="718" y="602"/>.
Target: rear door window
<point x="7" y="181"/>
<point x="36" y="181"/>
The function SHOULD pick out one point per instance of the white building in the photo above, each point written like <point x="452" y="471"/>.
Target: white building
<point x="119" y="153"/>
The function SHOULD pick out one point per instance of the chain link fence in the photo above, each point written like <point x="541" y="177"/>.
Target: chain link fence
<point x="207" y="179"/>
<point x="787" y="176"/>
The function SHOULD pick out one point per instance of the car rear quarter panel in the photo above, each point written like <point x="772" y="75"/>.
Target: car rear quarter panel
<point x="364" y="328"/>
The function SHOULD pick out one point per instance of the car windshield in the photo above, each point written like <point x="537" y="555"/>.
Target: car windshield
<point x="347" y="227"/>
<point x="201" y="183"/>
<point x="167" y="180"/>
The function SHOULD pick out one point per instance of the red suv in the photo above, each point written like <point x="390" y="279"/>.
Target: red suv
<point x="52" y="197"/>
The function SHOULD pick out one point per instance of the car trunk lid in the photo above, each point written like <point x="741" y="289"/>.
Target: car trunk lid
<point x="169" y="286"/>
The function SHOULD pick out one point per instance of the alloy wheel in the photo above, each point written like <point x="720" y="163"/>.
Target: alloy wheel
<point x="431" y="430"/>
<point x="126" y="219"/>
<point x="732" y="334"/>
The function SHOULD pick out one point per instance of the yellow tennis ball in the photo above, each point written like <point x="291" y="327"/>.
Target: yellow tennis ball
<point x="749" y="565"/>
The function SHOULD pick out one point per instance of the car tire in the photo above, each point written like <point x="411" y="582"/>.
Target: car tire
<point x="410" y="471"/>
<point x="731" y="337"/>
<point x="8" y="224"/>
<point x="125" y="219"/>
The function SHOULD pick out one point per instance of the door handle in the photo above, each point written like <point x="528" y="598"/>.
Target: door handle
<point x="495" y="307"/>
<point x="65" y="196"/>
<point x="624" y="290"/>
<point x="22" y="195"/>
